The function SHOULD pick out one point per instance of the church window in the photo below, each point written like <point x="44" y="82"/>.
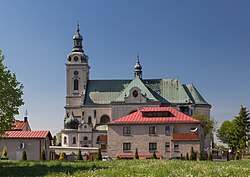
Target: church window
<point x="65" y="140"/>
<point x="94" y="113"/>
<point x="89" y="120"/>
<point x="104" y="119"/>
<point x="76" y="84"/>
<point x="74" y="140"/>
<point x="135" y="93"/>
<point x="184" y="109"/>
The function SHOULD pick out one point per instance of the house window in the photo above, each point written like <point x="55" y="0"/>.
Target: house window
<point x="126" y="146"/>
<point x="76" y="84"/>
<point x="152" y="146"/>
<point x="167" y="146"/>
<point x="103" y="146"/>
<point x="152" y="130"/>
<point x="94" y="113"/>
<point x="74" y="140"/>
<point x="65" y="140"/>
<point x="167" y="130"/>
<point x="126" y="130"/>
<point x="176" y="147"/>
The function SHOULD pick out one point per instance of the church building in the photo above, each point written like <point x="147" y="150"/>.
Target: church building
<point x="92" y="104"/>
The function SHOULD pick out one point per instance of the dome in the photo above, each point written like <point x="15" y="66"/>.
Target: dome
<point x="77" y="36"/>
<point x="71" y="122"/>
<point x="138" y="66"/>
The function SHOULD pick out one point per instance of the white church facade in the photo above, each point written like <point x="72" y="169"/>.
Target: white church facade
<point x="91" y="104"/>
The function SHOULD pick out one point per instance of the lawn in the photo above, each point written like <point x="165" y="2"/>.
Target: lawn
<point x="126" y="168"/>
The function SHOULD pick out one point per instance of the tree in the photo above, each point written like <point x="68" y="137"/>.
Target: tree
<point x="24" y="155"/>
<point x="62" y="156"/>
<point x="11" y="96"/>
<point x="99" y="155"/>
<point x="136" y="154"/>
<point x="208" y="124"/>
<point x="201" y="156"/>
<point x="187" y="157"/>
<point x="223" y="133"/>
<point x="59" y="139"/>
<point x="242" y="129"/>
<point x="154" y="155"/>
<point x="182" y="158"/>
<point x="43" y="156"/>
<point x="236" y="157"/>
<point x="4" y="154"/>
<point x="236" y="132"/>
<point x="79" y="155"/>
<point x="210" y="157"/>
<point x="192" y="154"/>
<point x="54" y="140"/>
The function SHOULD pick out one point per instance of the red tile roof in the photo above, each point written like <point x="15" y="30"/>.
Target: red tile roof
<point x="175" y="117"/>
<point x="18" y="125"/>
<point x="185" y="137"/>
<point x="27" y="134"/>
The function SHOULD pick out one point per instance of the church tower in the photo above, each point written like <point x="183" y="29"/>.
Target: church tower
<point x="77" y="75"/>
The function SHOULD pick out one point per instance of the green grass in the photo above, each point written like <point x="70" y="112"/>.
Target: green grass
<point x="126" y="168"/>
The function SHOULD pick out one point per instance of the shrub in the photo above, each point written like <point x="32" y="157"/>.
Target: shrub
<point x="99" y="155"/>
<point x="192" y="154"/>
<point x="43" y="156"/>
<point x="236" y="157"/>
<point x="79" y="155"/>
<point x="154" y="155"/>
<point x="24" y="155"/>
<point x="4" y="154"/>
<point x="136" y="154"/>
<point x="201" y="156"/>
<point x="118" y="157"/>
<point x="210" y="157"/>
<point x="187" y="157"/>
<point x="62" y="156"/>
<point x="182" y="158"/>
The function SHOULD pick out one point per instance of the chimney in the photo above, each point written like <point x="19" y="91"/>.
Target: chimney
<point x="25" y="119"/>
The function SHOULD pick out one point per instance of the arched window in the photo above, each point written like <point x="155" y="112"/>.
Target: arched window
<point x="104" y="119"/>
<point x="85" y="138"/>
<point x="65" y="140"/>
<point x="89" y="120"/>
<point x="74" y="140"/>
<point x="76" y="84"/>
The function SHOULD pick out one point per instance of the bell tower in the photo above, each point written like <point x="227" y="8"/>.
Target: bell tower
<point x="77" y="75"/>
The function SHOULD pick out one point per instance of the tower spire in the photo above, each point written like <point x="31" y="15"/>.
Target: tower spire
<point x="77" y="40"/>
<point x="138" y="68"/>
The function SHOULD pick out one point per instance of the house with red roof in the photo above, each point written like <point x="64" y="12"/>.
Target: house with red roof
<point x="164" y="130"/>
<point x="21" y="138"/>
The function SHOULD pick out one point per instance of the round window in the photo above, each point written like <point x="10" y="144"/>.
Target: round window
<point x="135" y="93"/>
<point x="75" y="72"/>
<point x="76" y="58"/>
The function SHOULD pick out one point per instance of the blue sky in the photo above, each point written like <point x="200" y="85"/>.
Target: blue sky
<point x="202" y="42"/>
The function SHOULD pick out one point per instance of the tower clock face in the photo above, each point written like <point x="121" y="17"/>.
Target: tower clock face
<point x="76" y="58"/>
<point x="76" y="73"/>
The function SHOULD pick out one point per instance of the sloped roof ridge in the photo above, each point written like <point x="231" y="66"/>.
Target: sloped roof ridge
<point x="198" y="99"/>
<point x="136" y="82"/>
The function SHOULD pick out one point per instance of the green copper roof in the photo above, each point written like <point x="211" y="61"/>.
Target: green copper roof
<point x="195" y="95"/>
<point x="136" y="83"/>
<point x="167" y="91"/>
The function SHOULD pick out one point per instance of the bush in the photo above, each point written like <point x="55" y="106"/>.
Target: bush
<point x="136" y="154"/>
<point x="182" y="158"/>
<point x="154" y="155"/>
<point x="4" y="154"/>
<point x="43" y="156"/>
<point x="24" y="155"/>
<point x="79" y="155"/>
<point x="236" y="157"/>
<point x="118" y="157"/>
<point x="201" y="156"/>
<point x="210" y="157"/>
<point x="99" y="155"/>
<point x="187" y="157"/>
<point x="62" y="156"/>
<point x="192" y="154"/>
